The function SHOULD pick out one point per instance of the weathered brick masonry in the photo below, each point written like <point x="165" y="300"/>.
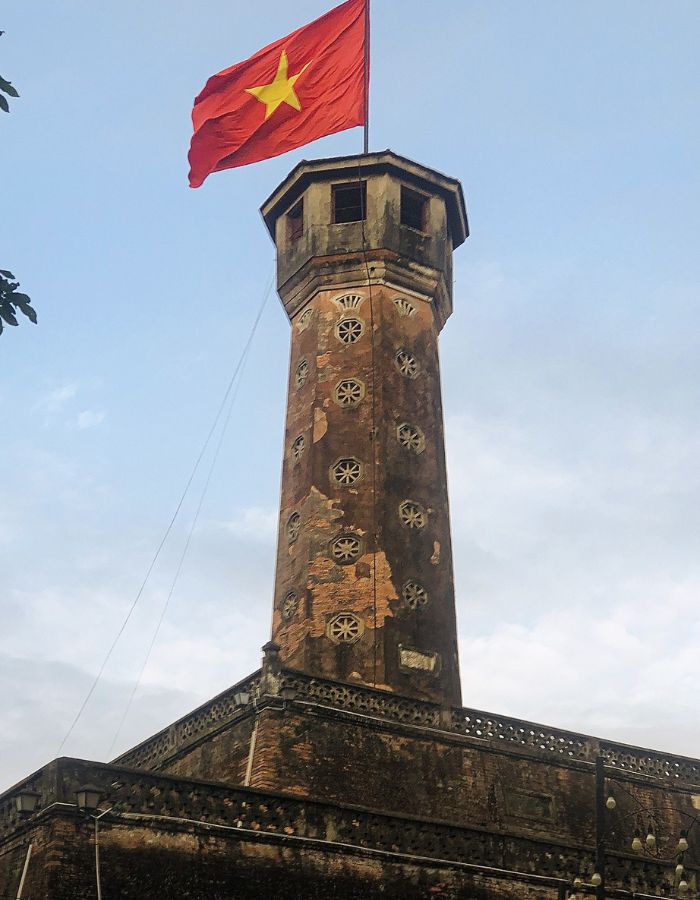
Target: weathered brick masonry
<point x="364" y="587"/>
<point x="346" y="766"/>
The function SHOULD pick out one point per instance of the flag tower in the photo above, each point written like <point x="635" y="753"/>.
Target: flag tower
<point x="364" y="588"/>
<point x="345" y="767"/>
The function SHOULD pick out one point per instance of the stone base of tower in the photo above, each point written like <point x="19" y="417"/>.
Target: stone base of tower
<point x="292" y="786"/>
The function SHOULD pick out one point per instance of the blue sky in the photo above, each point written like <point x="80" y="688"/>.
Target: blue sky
<point x="570" y="365"/>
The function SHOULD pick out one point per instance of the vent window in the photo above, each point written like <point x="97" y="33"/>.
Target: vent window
<point x="349" y="202"/>
<point x="414" y="209"/>
<point x="295" y="222"/>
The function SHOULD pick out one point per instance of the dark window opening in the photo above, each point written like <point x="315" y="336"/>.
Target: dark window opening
<point x="414" y="209"/>
<point x="295" y="221"/>
<point x="350" y="202"/>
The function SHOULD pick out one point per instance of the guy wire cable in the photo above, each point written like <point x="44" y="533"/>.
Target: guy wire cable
<point x="181" y="561"/>
<point x="172" y="520"/>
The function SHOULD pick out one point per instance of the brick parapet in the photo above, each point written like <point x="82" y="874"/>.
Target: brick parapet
<point x="185" y="732"/>
<point x="141" y="799"/>
<point x="509" y="735"/>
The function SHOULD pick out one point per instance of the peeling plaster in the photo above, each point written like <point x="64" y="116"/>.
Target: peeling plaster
<point x="320" y="424"/>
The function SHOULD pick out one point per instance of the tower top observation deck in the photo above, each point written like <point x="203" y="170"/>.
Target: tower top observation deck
<point x="381" y="205"/>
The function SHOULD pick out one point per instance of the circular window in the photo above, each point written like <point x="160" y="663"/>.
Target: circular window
<point x="305" y="319"/>
<point x="348" y="392"/>
<point x="301" y="373"/>
<point x="346" y="548"/>
<point x="414" y="595"/>
<point x="345" y="628"/>
<point x="406" y="363"/>
<point x="348" y="331"/>
<point x="410" y="437"/>
<point x="290" y="605"/>
<point x="412" y="515"/>
<point x="346" y="471"/>
<point x="293" y="526"/>
<point x="298" y="447"/>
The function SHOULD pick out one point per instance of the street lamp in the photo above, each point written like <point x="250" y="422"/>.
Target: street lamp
<point x="26" y="802"/>
<point x="88" y="798"/>
<point x="647" y="845"/>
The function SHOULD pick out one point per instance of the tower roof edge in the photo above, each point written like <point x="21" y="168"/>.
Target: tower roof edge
<point x="333" y="168"/>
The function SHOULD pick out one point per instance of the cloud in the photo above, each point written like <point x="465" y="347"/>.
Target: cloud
<point x="253" y="522"/>
<point x="89" y="418"/>
<point x="54" y="401"/>
<point x="577" y="574"/>
<point x="627" y="674"/>
<point x="38" y="700"/>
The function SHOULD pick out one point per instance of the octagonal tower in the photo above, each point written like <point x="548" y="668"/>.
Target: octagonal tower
<point x="364" y="586"/>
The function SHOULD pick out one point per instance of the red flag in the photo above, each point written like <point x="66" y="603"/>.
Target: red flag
<point x="311" y="83"/>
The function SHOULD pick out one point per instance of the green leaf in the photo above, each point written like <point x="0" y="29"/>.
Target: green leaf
<point x="28" y="311"/>
<point x="3" y="104"/>
<point x="19" y="299"/>
<point x="7" y="274"/>
<point x="0" y="326"/>
<point x="7" y="313"/>
<point x="7" y="87"/>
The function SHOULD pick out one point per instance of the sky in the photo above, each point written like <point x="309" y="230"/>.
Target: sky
<point x="571" y="365"/>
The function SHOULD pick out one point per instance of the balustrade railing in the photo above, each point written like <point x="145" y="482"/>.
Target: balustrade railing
<point x="502" y="731"/>
<point x="154" y="797"/>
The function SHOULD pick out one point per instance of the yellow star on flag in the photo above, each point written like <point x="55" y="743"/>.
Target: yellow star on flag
<point x="280" y="90"/>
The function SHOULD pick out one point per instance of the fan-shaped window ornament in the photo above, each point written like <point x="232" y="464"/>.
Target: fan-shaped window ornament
<point x="345" y="628"/>
<point x="346" y="548"/>
<point x="349" y="331"/>
<point x="301" y="373"/>
<point x="406" y="363"/>
<point x="415" y="595"/>
<point x="412" y="515"/>
<point x="348" y="392"/>
<point x="349" y="302"/>
<point x="305" y="320"/>
<point x="410" y="437"/>
<point x="290" y="605"/>
<point x="298" y="446"/>
<point x="346" y="471"/>
<point x="405" y="307"/>
<point x="293" y="526"/>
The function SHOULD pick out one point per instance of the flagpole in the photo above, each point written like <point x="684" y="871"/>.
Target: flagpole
<point x="366" y="110"/>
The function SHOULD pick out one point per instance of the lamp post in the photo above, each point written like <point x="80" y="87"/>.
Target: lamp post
<point x="600" y="807"/>
<point x="88" y="799"/>
<point x="605" y="801"/>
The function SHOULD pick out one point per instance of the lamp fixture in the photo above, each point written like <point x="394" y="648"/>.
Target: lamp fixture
<point x="88" y="797"/>
<point x="26" y="802"/>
